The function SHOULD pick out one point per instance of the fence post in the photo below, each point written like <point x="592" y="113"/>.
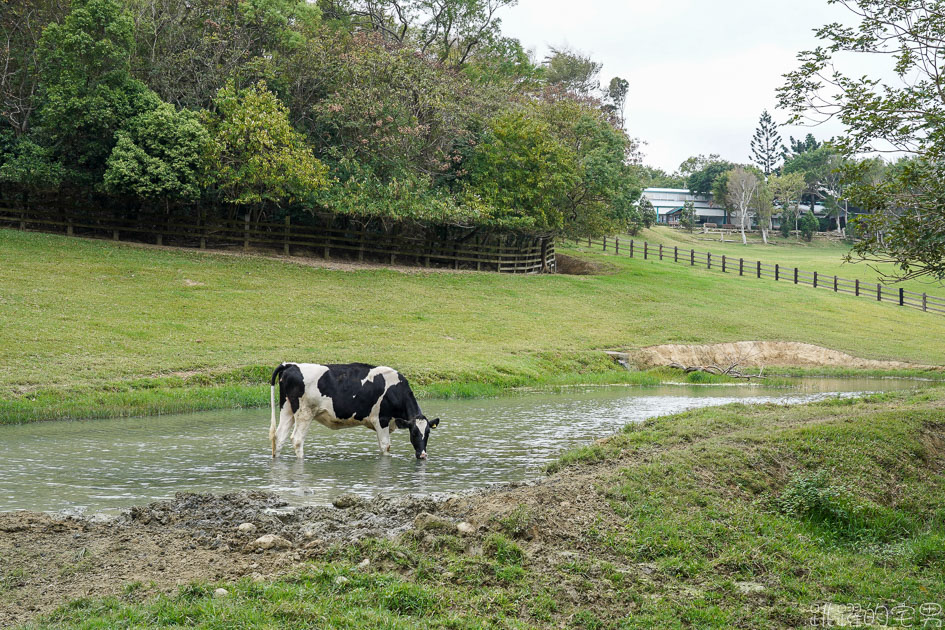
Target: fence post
<point x="723" y="263"/>
<point x="925" y="305"/>
<point x="856" y="287"/>
<point x="815" y="279"/>
<point x="617" y="245"/>
<point x="759" y="268"/>
<point x="661" y="251"/>
<point x="645" y="249"/>
<point x="901" y="296"/>
<point x="795" y="275"/>
<point x="708" y="260"/>
<point x="605" y="243"/>
<point x="676" y="253"/>
<point x="69" y="230"/>
<point x="285" y="236"/>
<point x="835" y="284"/>
<point x="692" y="257"/>
<point x="777" y="272"/>
<point x="202" y="221"/>
<point x="879" y="292"/>
<point x="741" y="266"/>
<point x="246" y="231"/>
<point x="631" y="248"/>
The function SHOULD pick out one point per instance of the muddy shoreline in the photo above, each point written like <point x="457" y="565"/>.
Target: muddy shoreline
<point x="49" y="559"/>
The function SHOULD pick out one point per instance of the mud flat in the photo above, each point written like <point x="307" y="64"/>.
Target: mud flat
<point x="761" y="354"/>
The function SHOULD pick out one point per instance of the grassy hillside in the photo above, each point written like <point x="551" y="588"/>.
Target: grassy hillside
<point x="105" y="323"/>
<point x="749" y="517"/>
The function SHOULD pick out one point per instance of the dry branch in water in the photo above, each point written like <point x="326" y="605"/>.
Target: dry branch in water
<point x="732" y="370"/>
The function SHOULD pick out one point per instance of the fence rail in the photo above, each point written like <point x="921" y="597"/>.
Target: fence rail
<point x="757" y="269"/>
<point x="504" y="253"/>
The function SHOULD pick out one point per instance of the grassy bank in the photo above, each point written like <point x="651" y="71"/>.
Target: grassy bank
<point x="740" y="516"/>
<point x="93" y="328"/>
<point x="822" y="256"/>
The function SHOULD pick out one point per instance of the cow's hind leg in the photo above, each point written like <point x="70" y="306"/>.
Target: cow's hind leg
<point x="286" y="423"/>
<point x="303" y="420"/>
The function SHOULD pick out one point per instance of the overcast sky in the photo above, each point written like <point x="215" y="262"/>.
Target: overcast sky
<point x="700" y="72"/>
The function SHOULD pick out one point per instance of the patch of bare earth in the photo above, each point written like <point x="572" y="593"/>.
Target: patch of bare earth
<point x="47" y="560"/>
<point x="761" y="354"/>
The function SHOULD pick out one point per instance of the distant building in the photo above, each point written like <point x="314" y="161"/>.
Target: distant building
<point x="669" y="205"/>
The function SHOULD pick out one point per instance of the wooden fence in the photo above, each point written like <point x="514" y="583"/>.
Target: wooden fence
<point x="757" y="269"/>
<point x="503" y="252"/>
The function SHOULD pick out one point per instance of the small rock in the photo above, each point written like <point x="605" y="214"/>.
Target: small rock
<point x="465" y="529"/>
<point x="341" y="580"/>
<point x="220" y="592"/>
<point x="271" y="541"/>
<point x="246" y="528"/>
<point x="749" y="587"/>
<point x="364" y="564"/>
<point x="346" y="500"/>
<point x="426" y="522"/>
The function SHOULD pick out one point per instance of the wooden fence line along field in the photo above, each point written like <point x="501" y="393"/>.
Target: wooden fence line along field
<point x="757" y="269"/>
<point x="490" y="253"/>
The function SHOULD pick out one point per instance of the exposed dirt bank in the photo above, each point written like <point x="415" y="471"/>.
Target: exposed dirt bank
<point x="761" y="354"/>
<point x="47" y="560"/>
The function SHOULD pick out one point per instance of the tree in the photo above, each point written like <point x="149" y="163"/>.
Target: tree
<point x="687" y="218"/>
<point x="764" y="209"/>
<point x="648" y="214"/>
<point x="616" y="98"/>
<point x="907" y="227"/>
<point x="523" y="173"/>
<point x="786" y="192"/>
<point x="89" y="92"/>
<point x="743" y="188"/>
<point x="808" y="143"/>
<point x="255" y="156"/>
<point x="701" y="181"/>
<point x="572" y="71"/>
<point x="451" y="30"/>
<point x="21" y="26"/>
<point x="159" y="157"/>
<point x="766" y="145"/>
<point x="807" y="225"/>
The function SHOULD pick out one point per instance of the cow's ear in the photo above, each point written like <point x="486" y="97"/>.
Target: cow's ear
<point x="401" y="423"/>
<point x="434" y="423"/>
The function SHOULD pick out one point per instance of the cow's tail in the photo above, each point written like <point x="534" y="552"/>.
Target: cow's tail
<point x="272" y="405"/>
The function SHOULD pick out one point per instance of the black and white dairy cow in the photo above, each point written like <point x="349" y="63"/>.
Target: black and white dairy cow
<point x="345" y="395"/>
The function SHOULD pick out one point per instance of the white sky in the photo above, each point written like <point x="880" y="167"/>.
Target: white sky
<point x="700" y="72"/>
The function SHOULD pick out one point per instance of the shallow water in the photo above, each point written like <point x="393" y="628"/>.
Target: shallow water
<point x="105" y="465"/>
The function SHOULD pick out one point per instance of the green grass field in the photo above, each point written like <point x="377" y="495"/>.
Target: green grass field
<point x="90" y="325"/>
<point x="822" y="256"/>
<point x="740" y="516"/>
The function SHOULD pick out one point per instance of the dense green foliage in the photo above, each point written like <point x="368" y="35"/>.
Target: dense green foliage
<point x="404" y="110"/>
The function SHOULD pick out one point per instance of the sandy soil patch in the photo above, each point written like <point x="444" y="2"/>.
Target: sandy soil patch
<point x="761" y="354"/>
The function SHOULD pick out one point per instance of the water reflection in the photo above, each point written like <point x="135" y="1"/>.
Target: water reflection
<point x="105" y="465"/>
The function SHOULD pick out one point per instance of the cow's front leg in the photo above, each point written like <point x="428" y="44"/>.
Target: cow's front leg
<point x="303" y="420"/>
<point x="286" y="423"/>
<point x="383" y="438"/>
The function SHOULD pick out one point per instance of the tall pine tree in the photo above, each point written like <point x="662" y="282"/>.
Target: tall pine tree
<point x="766" y="146"/>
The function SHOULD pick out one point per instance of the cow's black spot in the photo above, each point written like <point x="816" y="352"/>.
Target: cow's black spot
<point x="350" y="398"/>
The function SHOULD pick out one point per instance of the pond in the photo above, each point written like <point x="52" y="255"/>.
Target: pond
<point x="105" y="465"/>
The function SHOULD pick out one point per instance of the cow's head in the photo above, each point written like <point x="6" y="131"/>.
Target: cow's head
<point x="419" y="433"/>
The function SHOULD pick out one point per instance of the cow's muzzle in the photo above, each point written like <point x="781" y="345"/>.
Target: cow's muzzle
<point x="422" y="455"/>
